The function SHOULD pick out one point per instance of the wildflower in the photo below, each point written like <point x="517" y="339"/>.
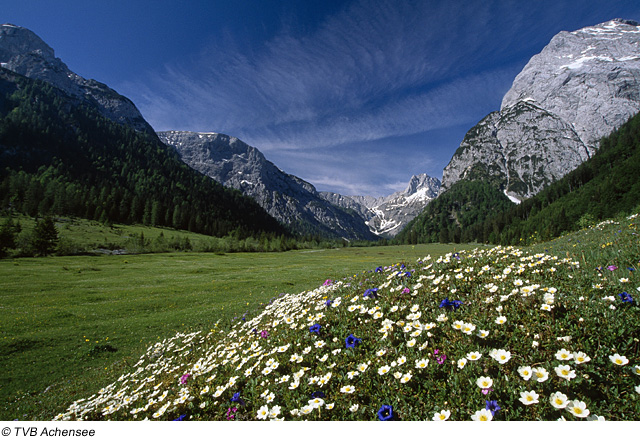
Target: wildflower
<point x="565" y="372"/>
<point x="484" y="415"/>
<point x="371" y="293"/>
<point x="483" y="333"/>
<point x="559" y="400"/>
<point x="184" y="378"/>
<point x="612" y="267"/>
<point x="274" y="412"/>
<point x="473" y="356"/>
<point x="314" y="328"/>
<point x="263" y="412"/>
<point x="528" y="397"/>
<point x="351" y="341"/>
<point x="422" y="363"/>
<point x="501" y="320"/>
<point x="492" y="405"/>
<point x="484" y="382"/>
<point x="625" y="297"/>
<point x="401" y="360"/>
<point x="316" y="402"/>
<point x="563" y="355"/>
<point x="578" y="408"/>
<point x="525" y="372"/>
<point x="320" y="344"/>
<point x="637" y="389"/>
<point x="348" y="389"/>
<point x="461" y="363"/>
<point x="636" y="369"/>
<point x="450" y="304"/>
<point x="406" y="378"/>
<point x="385" y="413"/>
<point x="540" y="374"/>
<point x="501" y="356"/>
<point x="383" y="370"/>
<point x="442" y="415"/>
<point x="580" y="358"/>
<point x="353" y="408"/>
<point x="618" y="359"/>
<point x="264" y="334"/>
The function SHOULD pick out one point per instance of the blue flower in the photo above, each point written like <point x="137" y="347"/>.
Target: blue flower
<point x="315" y="328"/>
<point x="378" y="269"/>
<point x="328" y="303"/>
<point x="181" y="418"/>
<point x="371" y="293"/>
<point x="492" y="405"/>
<point x="318" y="394"/>
<point x="385" y="413"/>
<point x="235" y="397"/>
<point x="450" y="304"/>
<point x="351" y="341"/>
<point x="625" y="297"/>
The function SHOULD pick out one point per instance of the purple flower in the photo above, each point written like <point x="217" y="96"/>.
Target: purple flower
<point x="264" y="334"/>
<point x="625" y="297"/>
<point x="315" y="328"/>
<point x="486" y="391"/>
<point x="327" y="283"/>
<point x="492" y="405"/>
<point x="378" y="269"/>
<point x="385" y="413"/>
<point x="406" y="290"/>
<point x="351" y="341"/>
<point x="184" y="378"/>
<point x="612" y="267"/>
<point x="371" y="293"/>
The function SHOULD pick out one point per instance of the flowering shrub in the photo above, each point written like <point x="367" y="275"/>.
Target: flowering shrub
<point x="530" y="336"/>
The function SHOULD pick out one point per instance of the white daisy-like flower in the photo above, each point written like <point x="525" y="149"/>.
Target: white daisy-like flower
<point x="263" y="412"/>
<point x="348" y="389"/>
<point x="383" y="370"/>
<point x="484" y="382"/>
<point x="565" y="372"/>
<point x="473" y="356"/>
<point x="559" y="400"/>
<point x="577" y="408"/>
<point x="329" y="405"/>
<point x="274" y="412"/>
<point x="380" y="353"/>
<point x="619" y="359"/>
<point x="401" y="360"/>
<point x="528" y="397"/>
<point x="540" y="374"/>
<point x="483" y="333"/>
<point x="441" y="416"/>
<point x="397" y="375"/>
<point x="636" y="369"/>
<point x="484" y="415"/>
<point x="320" y="344"/>
<point x="502" y="356"/>
<point x="525" y="372"/>
<point x="406" y="377"/>
<point x="564" y="355"/>
<point x="501" y="320"/>
<point x="580" y="358"/>
<point x="422" y="363"/>
<point x="353" y="408"/>
<point x="352" y="374"/>
<point x="461" y="363"/>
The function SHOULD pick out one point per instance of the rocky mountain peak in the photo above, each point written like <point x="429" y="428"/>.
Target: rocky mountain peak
<point x="23" y="52"/>
<point x="583" y="85"/>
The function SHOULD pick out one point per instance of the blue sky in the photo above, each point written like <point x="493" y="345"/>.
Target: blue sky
<point x="352" y="96"/>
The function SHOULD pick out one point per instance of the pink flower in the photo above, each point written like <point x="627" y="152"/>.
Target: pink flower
<point x="327" y="283"/>
<point x="264" y="334"/>
<point x="406" y="290"/>
<point x="612" y="267"/>
<point x="184" y="378"/>
<point x="486" y="391"/>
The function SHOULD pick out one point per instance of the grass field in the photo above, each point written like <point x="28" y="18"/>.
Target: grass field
<point x="70" y="325"/>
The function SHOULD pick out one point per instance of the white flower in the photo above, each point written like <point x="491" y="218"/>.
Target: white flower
<point x="484" y="415"/>
<point x="637" y="389"/>
<point x="397" y="375"/>
<point x="564" y="355"/>
<point x="473" y="356"/>
<point x="565" y="372"/>
<point x="353" y="408"/>
<point x="406" y="378"/>
<point x="501" y="320"/>
<point x="307" y="409"/>
<point x="348" y="389"/>
<point x="636" y="369"/>
<point x="484" y="382"/>
<point x="381" y="352"/>
<point x="274" y="412"/>
<point x="483" y="333"/>
<point x="559" y="400"/>
<point x="525" y="372"/>
<point x="580" y="358"/>
<point x="442" y="415"/>
<point x="316" y="403"/>
<point x="352" y="374"/>
<point x="461" y="363"/>
<point x="401" y="360"/>
<point x="618" y="359"/>
<point x="263" y="412"/>
<point x="363" y="367"/>
<point x="383" y="370"/>
<point x="540" y="374"/>
<point x="329" y="405"/>
<point x="422" y="363"/>
<point x="501" y="356"/>
<point x="578" y="408"/>
<point x="595" y="418"/>
<point x="528" y="397"/>
<point x="546" y="307"/>
<point x="320" y="344"/>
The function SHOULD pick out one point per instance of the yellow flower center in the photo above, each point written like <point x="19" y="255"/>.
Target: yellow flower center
<point x="577" y="410"/>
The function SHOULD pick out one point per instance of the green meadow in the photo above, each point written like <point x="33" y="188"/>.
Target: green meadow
<point x="72" y="324"/>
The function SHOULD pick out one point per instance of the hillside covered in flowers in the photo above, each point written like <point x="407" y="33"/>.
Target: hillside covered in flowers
<point x="498" y="333"/>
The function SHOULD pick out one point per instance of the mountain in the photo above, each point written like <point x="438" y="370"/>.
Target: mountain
<point x="287" y="198"/>
<point x="582" y="86"/>
<point x="386" y="216"/>
<point x="64" y="154"/>
<point x="23" y="52"/>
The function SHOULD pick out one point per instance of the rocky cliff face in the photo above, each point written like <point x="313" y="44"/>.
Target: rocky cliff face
<point x="582" y="86"/>
<point x="23" y="52"/>
<point x="288" y="198"/>
<point x="386" y="216"/>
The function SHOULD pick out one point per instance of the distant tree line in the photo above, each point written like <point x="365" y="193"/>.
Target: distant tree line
<point x="60" y="157"/>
